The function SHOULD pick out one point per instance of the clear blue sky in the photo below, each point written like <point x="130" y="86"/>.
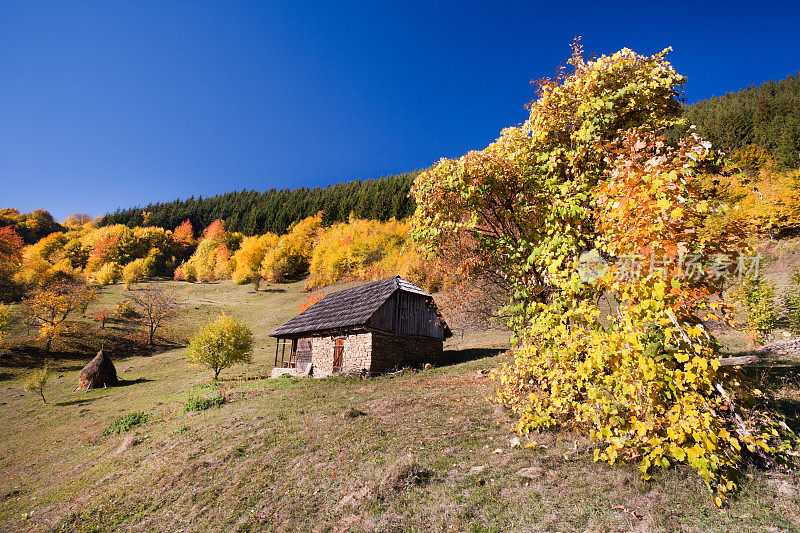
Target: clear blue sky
<point x="109" y="104"/>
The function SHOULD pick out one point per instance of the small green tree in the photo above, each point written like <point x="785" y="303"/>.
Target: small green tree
<point x="37" y="381"/>
<point x="791" y="300"/>
<point x="221" y="344"/>
<point x="758" y="297"/>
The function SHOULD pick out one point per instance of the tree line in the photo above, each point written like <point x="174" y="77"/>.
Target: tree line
<point x="276" y="210"/>
<point x="767" y="115"/>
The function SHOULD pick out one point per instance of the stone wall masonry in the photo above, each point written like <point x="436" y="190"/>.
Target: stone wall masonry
<point x="389" y="352"/>
<point x="357" y="355"/>
<point x="374" y="353"/>
<point x="322" y="356"/>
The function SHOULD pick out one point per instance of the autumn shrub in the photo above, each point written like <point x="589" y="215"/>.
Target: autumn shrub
<point x="291" y="255"/>
<point x="210" y="261"/>
<point x="11" y="246"/>
<point x="50" y="307"/>
<point x="77" y="220"/>
<point x="752" y="158"/>
<point x="74" y="250"/>
<point x="5" y="320"/>
<point x="44" y="261"/>
<point x="190" y="272"/>
<point x="134" y="272"/>
<point x="767" y="201"/>
<point x="108" y="274"/>
<point x="246" y="261"/>
<point x="37" y="381"/>
<point x="125" y="309"/>
<point x="184" y="235"/>
<point x="103" y="246"/>
<point x="310" y="300"/>
<point x="220" y="345"/>
<point x="150" y="264"/>
<point x="590" y="172"/>
<point x="360" y="249"/>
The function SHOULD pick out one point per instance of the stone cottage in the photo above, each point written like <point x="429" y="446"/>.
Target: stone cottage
<point x="369" y="329"/>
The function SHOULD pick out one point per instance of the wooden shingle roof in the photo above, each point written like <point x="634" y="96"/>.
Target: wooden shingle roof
<point x="347" y="308"/>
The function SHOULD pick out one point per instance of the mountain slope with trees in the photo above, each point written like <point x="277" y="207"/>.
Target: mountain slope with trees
<point x="253" y="212"/>
<point x="767" y="115"/>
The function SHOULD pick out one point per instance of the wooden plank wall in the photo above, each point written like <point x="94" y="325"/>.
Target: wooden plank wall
<point x="406" y="313"/>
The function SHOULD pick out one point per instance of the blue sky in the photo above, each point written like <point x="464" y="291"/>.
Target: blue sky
<point x="110" y="104"/>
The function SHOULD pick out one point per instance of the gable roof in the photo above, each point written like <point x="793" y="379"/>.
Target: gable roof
<point x="347" y="308"/>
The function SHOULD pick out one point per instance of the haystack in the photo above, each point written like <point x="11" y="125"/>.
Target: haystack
<point x="99" y="373"/>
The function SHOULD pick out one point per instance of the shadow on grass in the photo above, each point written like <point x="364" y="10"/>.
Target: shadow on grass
<point x="790" y="409"/>
<point x="781" y="379"/>
<point x="77" y="401"/>
<point x="454" y="357"/>
<point x="74" y="351"/>
<point x="126" y="382"/>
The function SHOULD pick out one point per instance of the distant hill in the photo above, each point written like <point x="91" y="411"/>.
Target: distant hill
<point x="767" y="115"/>
<point x="253" y="212"/>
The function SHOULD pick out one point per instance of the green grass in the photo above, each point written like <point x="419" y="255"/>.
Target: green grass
<point x="415" y="452"/>
<point x="197" y="402"/>
<point x="124" y="423"/>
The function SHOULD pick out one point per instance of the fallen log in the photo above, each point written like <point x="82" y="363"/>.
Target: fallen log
<point x="738" y="361"/>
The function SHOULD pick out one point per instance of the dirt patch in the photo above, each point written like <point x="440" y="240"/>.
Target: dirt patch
<point x="397" y="478"/>
<point x="127" y="443"/>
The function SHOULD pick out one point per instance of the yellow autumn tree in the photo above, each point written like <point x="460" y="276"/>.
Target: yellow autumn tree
<point x="361" y="249"/>
<point x="291" y="256"/>
<point x="766" y="200"/>
<point x="589" y="220"/>
<point x="246" y="261"/>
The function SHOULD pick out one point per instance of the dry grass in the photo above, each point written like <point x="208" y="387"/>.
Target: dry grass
<point x="420" y="451"/>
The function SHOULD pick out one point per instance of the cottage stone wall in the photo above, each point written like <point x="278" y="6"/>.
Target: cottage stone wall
<point x="390" y="352"/>
<point x="374" y="353"/>
<point x="322" y="356"/>
<point x="357" y="354"/>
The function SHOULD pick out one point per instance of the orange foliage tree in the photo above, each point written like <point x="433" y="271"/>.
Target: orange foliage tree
<point x="210" y="261"/>
<point x="310" y="300"/>
<point x="49" y="307"/>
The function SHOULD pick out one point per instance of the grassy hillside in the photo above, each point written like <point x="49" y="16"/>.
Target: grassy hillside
<point x="420" y="451"/>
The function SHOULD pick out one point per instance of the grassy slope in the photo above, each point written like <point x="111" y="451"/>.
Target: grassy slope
<point x="422" y="450"/>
